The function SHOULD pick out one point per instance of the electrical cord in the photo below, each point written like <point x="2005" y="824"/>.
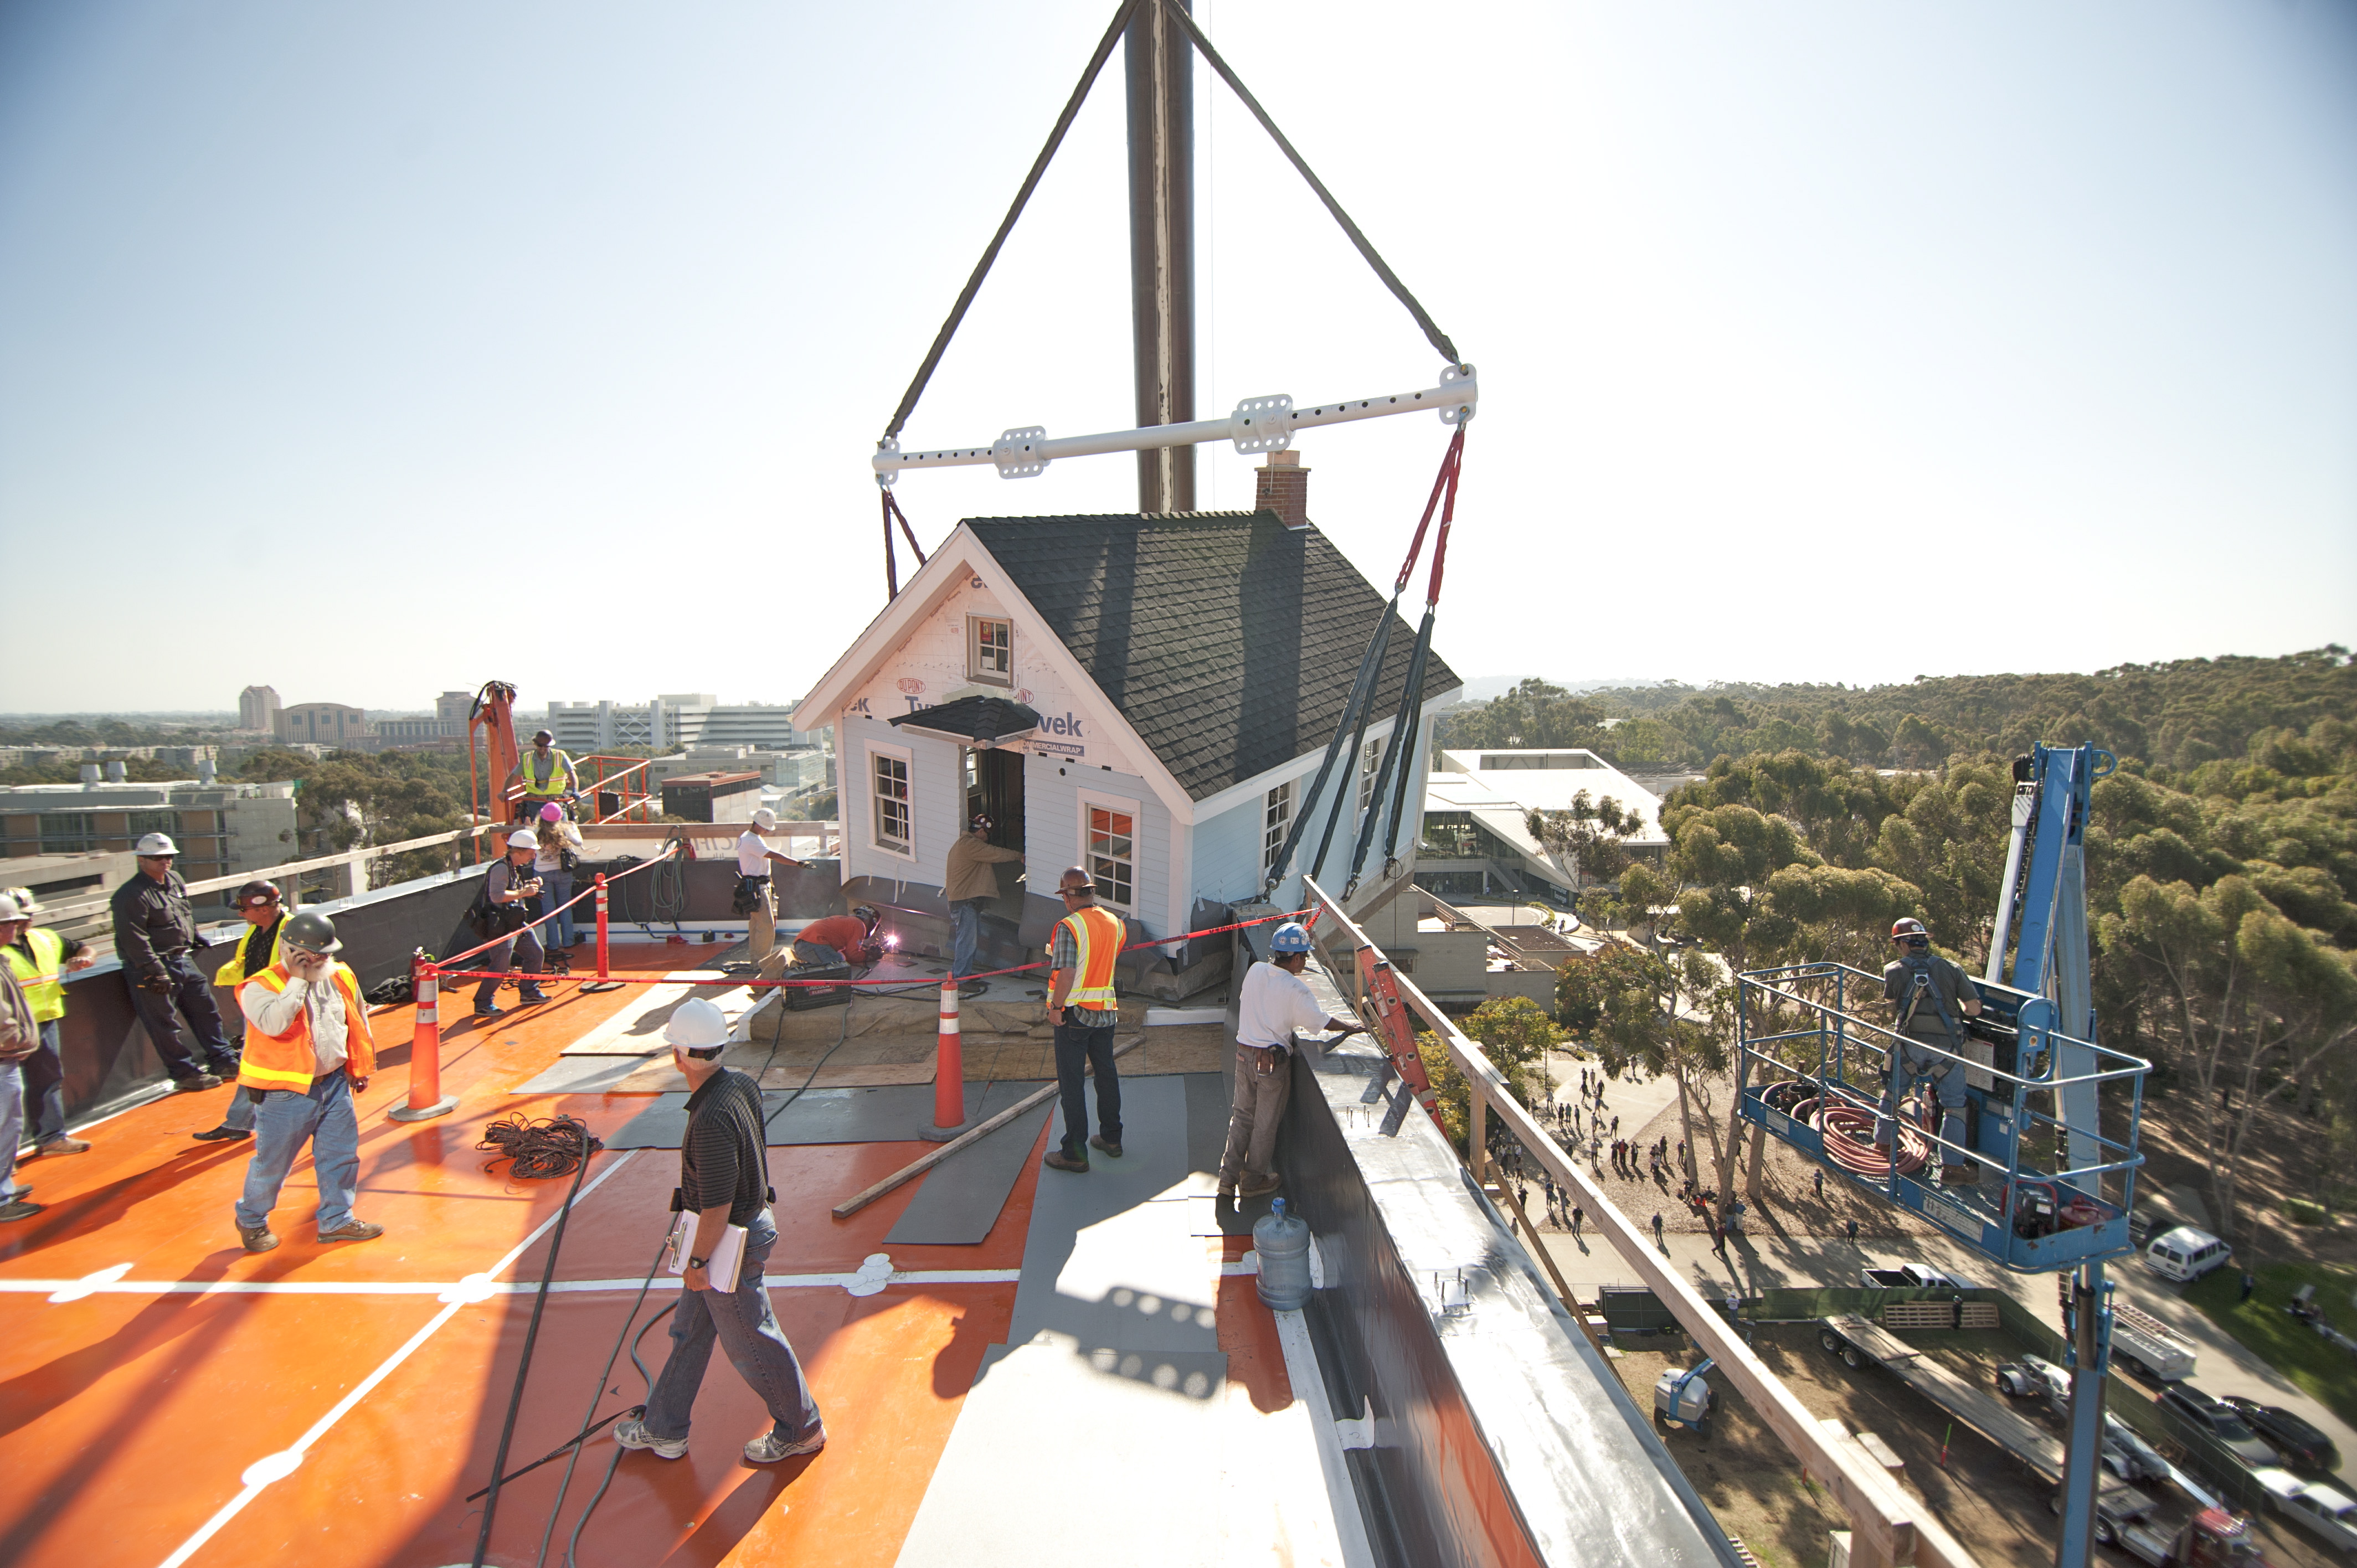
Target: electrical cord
<point x="541" y="1150"/>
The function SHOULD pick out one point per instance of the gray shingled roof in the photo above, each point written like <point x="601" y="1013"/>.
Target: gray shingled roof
<point x="1226" y="639"/>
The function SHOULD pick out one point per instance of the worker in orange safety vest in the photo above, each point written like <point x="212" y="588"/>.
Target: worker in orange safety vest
<point x="1083" y="1006"/>
<point x="308" y="1052"/>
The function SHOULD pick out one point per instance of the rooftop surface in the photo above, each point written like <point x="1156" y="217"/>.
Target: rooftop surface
<point x="183" y="1402"/>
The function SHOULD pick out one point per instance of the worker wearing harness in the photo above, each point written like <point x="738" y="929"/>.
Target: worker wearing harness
<point x="1929" y="992"/>
<point x="547" y="774"/>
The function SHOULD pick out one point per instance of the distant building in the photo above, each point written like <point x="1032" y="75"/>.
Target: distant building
<point x="223" y="829"/>
<point x="322" y="724"/>
<point x="676" y="718"/>
<point x="1477" y="808"/>
<point x="257" y="709"/>
<point x="453" y="708"/>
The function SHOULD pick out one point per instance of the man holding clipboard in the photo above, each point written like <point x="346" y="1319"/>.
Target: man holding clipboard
<point x="723" y="1238"/>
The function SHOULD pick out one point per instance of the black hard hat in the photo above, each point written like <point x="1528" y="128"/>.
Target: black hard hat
<point x="539" y="736"/>
<point x="312" y="933"/>
<point x="257" y="891"/>
<point x="982" y="820"/>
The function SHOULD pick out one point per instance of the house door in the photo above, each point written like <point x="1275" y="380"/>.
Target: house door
<point x="994" y="788"/>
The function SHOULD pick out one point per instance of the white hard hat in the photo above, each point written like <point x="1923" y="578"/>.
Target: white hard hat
<point x="696" y="1025"/>
<point x="523" y="838"/>
<point x="158" y="845"/>
<point x="765" y="819"/>
<point x="10" y="910"/>
<point x="26" y="902"/>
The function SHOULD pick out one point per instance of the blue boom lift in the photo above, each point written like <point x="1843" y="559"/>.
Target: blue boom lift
<point x="2018" y="1167"/>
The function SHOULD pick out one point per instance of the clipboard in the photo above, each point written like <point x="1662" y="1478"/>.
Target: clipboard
<point x="728" y="1258"/>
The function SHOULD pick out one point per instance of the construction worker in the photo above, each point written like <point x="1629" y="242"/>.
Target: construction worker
<point x="724" y="1182"/>
<point x="1931" y="997"/>
<point x="512" y="893"/>
<point x="1083" y="1006"/>
<point x="839" y="938"/>
<point x="548" y="777"/>
<point x="559" y="849"/>
<point x="20" y="1036"/>
<point x="155" y="932"/>
<point x="261" y="905"/>
<point x="1275" y="1006"/>
<point x="40" y="959"/>
<point x="754" y="901"/>
<point x="308" y="1052"/>
<point x="972" y="888"/>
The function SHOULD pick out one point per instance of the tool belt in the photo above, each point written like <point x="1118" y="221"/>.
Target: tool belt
<point x="749" y="896"/>
<point x="1266" y="1059"/>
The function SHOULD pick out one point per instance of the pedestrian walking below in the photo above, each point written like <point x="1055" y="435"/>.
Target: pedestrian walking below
<point x="155" y="932"/>
<point x="1578" y="1214"/>
<point x="1657" y="1230"/>
<point x="308" y="1052"/>
<point x="724" y="1182"/>
<point x="1853" y="1232"/>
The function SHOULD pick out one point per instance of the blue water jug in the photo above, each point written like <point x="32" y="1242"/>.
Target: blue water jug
<point x="1283" y="1244"/>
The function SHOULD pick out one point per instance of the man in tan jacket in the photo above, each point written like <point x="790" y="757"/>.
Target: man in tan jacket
<point x="971" y="888"/>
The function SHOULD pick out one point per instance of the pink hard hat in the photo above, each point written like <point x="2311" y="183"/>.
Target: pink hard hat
<point x="551" y="812"/>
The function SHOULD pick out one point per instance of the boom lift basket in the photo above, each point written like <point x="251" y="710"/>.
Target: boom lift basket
<point x="1808" y="1058"/>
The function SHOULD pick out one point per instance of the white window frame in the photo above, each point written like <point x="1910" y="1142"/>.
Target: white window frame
<point x="1137" y="815"/>
<point x="975" y="668"/>
<point x="876" y="839"/>
<point x="1371" y="760"/>
<point x="1275" y="827"/>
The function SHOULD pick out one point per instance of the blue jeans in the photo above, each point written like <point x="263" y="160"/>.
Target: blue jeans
<point x="965" y="926"/>
<point x="522" y="948"/>
<point x="322" y="1118"/>
<point x="556" y="887"/>
<point x="45" y="1088"/>
<point x="12" y="1125"/>
<point x="192" y="995"/>
<point x="747" y="1330"/>
<point x="1075" y="1045"/>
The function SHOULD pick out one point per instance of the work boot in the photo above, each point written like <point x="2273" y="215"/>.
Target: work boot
<point x="194" y="1082"/>
<point x="531" y="996"/>
<point x="257" y="1237"/>
<point x="1057" y="1160"/>
<point x="62" y="1144"/>
<point x="492" y="1011"/>
<point x="633" y="1434"/>
<point x="972" y="987"/>
<point x="353" y="1230"/>
<point x="17" y="1207"/>
<point x="1099" y="1143"/>
<point x="223" y="1134"/>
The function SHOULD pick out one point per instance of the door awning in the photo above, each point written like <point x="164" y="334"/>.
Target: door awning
<point x="979" y="722"/>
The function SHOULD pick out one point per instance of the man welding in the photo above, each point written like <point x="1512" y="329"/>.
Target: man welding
<point x="838" y="939"/>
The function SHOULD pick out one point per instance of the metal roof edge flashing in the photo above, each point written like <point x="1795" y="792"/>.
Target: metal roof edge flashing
<point x="1437" y="1318"/>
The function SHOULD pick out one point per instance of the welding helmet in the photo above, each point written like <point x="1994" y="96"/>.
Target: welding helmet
<point x="1291" y="938"/>
<point x="867" y="912"/>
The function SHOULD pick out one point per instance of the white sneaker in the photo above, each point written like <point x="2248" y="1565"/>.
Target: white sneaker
<point x="633" y="1434"/>
<point x="769" y="1448"/>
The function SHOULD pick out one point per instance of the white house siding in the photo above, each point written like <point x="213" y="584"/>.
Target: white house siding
<point x="1053" y="789"/>
<point x="936" y="799"/>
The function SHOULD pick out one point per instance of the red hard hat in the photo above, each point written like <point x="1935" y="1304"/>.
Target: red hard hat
<point x="1910" y="926"/>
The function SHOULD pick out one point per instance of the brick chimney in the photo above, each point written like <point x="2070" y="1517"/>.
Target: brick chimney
<point x="1283" y="487"/>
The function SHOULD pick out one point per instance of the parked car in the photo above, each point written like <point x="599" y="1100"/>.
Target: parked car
<point x="2034" y="1377"/>
<point x="2221" y="1421"/>
<point x="1910" y="1276"/>
<point x="2302" y="1445"/>
<point x="2185" y="1254"/>
<point x="2312" y="1506"/>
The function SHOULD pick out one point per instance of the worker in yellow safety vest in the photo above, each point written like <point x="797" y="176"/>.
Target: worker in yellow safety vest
<point x="547" y="774"/>
<point x="308" y="1052"/>
<point x="263" y="907"/>
<point x="1083" y="1008"/>
<point x="40" y="959"/>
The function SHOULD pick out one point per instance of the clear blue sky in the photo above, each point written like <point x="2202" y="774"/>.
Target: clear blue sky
<point x="373" y="350"/>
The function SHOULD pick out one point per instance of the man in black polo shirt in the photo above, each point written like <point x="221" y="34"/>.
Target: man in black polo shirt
<point x="724" y="1181"/>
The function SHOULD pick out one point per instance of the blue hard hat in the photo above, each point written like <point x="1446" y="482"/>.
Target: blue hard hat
<point x="1291" y="937"/>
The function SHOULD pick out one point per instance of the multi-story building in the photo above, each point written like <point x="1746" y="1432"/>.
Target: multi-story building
<point x="222" y="829"/>
<point x="322" y="724"/>
<point x="676" y="718"/>
<point x="257" y="709"/>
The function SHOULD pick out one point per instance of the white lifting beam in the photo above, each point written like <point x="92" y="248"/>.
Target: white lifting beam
<point x="1258" y="425"/>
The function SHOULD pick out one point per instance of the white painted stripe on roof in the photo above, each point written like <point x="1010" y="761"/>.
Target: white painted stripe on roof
<point x="94" y="1285"/>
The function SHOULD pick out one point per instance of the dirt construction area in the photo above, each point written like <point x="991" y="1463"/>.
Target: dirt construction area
<point x="1982" y="1494"/>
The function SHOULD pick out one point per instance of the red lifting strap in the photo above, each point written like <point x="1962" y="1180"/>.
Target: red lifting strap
<point x="892" y="566"/>
<point x="1446" y="480"/>
<point x="1454" y="464"/>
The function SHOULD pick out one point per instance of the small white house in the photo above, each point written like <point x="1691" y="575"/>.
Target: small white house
<point x="1147" y="696"/>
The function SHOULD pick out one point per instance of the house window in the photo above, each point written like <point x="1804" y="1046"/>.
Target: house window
<point x="69" y="833"/>
<point x="1276" y="819"/>
<point x="1369" y="761"/>
<point x="990" y="650"/>
<point x="893" y="829"/>
<point x="1111" y="851"/>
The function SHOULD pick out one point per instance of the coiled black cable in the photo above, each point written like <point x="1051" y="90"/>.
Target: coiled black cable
<point x="542" y="1150"/>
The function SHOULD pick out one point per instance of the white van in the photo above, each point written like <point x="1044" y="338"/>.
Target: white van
<point x="2185" y="1253"/>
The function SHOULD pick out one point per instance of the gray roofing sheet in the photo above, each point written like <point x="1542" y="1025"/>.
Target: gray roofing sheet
<point x="1229" y="641"/>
